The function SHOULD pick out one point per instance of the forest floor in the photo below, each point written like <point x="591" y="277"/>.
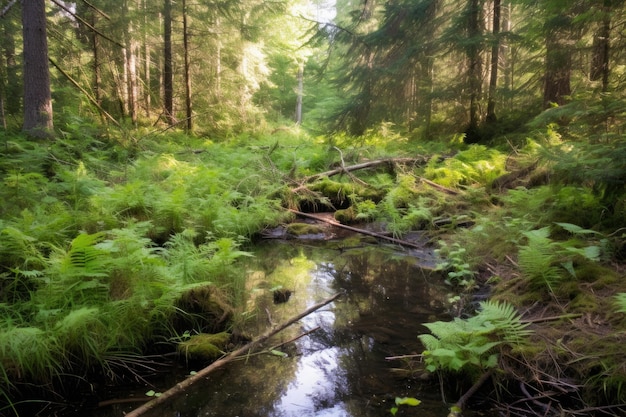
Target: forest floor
<point x="93" y="232"/>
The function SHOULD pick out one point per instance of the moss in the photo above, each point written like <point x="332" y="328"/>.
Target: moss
<point x="345" y="216"/>
<point x="204" y="307"/>
<point x="205" y="346"/>
<point x="300" y="229"/>
<point x="599" y="275"/>
<point x="584" y="302"/>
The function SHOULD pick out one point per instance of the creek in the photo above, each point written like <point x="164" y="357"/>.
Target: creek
<point x="334" y="362"/>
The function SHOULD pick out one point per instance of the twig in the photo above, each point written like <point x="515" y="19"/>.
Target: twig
<point x="552" y="318"/>
<point x="182" y="386"/>
<point x="456" y="409"/>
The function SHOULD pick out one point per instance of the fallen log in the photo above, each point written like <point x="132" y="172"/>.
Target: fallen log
<point x="182" y="386"/>
<point x="357" y="230"/>
<point x="368" y="164"/>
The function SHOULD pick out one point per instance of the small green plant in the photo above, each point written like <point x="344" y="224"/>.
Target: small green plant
<point x="544" y="261"/>
<point x="466" y="344"/>
<point x="459" y="271"/>
<point x="410" y="401"/>
<point x="620" y="302"/>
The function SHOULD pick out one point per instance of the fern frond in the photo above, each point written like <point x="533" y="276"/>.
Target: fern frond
<point x="620" y="302"/>
<point x="537" y="258"/>
<point x="505" y="320"/>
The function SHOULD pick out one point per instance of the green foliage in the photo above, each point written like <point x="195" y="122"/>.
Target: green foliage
<point x="410" y="401"/>
<point x="470" y="344"/>
<point x="455" y="262"/>
<point x="476" y="164"/>
<point x="546" y="263"/>
<point x="620" y="302"/>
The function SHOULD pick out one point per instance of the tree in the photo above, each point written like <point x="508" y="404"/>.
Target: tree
<point x="495" y="58"/>
<point x="168" y="73"/>
<point x="37" y="94"/>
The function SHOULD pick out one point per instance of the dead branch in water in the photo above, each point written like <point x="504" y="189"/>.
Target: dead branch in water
<point x="357" y="230"/>
<point x="182" y="386"/>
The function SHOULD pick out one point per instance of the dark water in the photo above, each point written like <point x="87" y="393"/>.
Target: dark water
<point x="339" y="367"/>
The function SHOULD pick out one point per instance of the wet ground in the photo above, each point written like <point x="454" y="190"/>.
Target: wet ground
<point x="333" y="362"/>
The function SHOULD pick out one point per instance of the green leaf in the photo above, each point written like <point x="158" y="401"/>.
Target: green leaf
<point x="577" y="230"/>
<point x="278" y="353"/>
<point x="407" y="401"/>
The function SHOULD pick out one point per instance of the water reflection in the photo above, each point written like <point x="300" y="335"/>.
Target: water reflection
<point x="339" y="368"/>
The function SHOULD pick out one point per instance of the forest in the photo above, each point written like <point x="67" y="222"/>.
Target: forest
<point x="147" y="145"/>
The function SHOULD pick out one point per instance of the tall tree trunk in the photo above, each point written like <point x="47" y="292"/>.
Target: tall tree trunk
<point x="130" y="64"/>
<point x="558" y="68"/>
<point x="13" y="86"/>
<point x="147" y="95"/>
<point x="601" y="46"/>
<point x="299" y="93"/>
<point x="474" y="72"/>
<point x="495" y="59"/>
<point x="168" y="75"/>
<point x="188" y="112"/>
<point x="37" y="95"/>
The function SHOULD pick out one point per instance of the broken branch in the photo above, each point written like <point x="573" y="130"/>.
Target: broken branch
<point x="182" y="386"/>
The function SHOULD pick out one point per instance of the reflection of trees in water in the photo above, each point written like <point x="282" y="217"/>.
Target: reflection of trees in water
<point x="388" y="299"/>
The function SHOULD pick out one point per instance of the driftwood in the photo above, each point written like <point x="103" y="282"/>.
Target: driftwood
<point x="349" y="168"/>
<point x="182" y="386"/>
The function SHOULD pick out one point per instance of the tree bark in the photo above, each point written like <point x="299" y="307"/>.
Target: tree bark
<point x="601" y="46"/>
<point x="188" y="112"/>
<point x="37" y="95"/>
<point x="168" y="74"/>
<point x="558" y="68"/>
<point x="299" y="93"/>
<point x="495" y="58"/>
<point x="474" y="72"/>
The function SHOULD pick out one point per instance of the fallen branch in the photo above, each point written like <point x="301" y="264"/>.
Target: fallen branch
<point x="552" y="318"/>
<point x="439" y="187"/>
<point x="368" y="164"/>
<point x="457" y="408"/>
<point x="357" y="230"/>
<point x="182" y="386"/>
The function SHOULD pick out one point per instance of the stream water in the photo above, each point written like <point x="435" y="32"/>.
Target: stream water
<point x="333" y="362"/>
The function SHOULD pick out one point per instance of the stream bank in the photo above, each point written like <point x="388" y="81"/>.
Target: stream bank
<point x="332" y="362"/>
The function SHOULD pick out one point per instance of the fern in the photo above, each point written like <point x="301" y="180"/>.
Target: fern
<point x="620" y="302"/>
<point x="460" y="344"/>
<point x="537" y="258"/>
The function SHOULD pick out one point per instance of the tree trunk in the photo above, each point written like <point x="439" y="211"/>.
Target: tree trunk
<point x="601" y="46"/>
<point x="130" y="66"/>
<point x="299" y="93"/>
<point x="495" y="58"/>
<point x="188" y="111"/>
<point x="558" y="62"/>
<point x="13" y="86"/>
<point x="168" y="75"/>
<point x="37" y="95"/>
<point x="474" y="71"/>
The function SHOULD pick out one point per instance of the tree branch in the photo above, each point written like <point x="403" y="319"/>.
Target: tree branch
<point x="84" y="22"/>
<point x="182" y="386"/>
<point x="6" y="8"/>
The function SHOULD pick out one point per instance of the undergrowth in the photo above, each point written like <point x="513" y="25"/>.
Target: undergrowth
<point x="106" y="241"/>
